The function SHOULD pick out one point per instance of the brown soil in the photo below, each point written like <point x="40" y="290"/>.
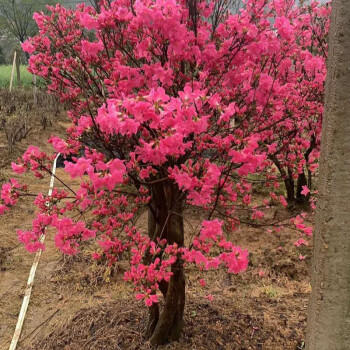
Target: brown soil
<point x="79" y="305"/>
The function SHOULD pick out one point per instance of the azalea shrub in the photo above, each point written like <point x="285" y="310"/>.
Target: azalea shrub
<point x="174" y="104"/>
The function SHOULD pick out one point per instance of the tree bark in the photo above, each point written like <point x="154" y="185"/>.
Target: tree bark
<point x="329" y="304"/>
<point x="287" y="179"/>
<point x="289" y="184"/>
<point x="153" y="318"/>
<point x="165" y="221"/>
<point x="170" y="324"/>
<point x="302" y="181"/>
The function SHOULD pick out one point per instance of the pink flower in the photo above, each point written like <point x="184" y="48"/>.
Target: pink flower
<point x="211" y="230"/>
<point x="153" y="298"/>
<point x="257" y="215"/>
<point x="79" y="168"/>
<point x="209" y="297"/>
<point x="87" y="21"/>
<point x="144" y="174"/>
<point x="308" y="231"/>
<point x="139" y="296"/>
<point x="3" y="209"/>
<point x="28" y="47"/>
<point x="96" y="256"/>
<point x="247" y="199"/>
<point x="283" y="201"/>
<point x="261" y="273"/>
<point x="300" y="242"/>
<point x="91" y="49"/>
<point x="59" y="145"/>
<point x="305" y="191"/>
<point x="301" y="257"/>
<point x="18" y="169"/>
<point x="285" y="29"/>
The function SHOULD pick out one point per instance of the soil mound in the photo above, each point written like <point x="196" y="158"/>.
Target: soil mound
<point x="120" y="325"/>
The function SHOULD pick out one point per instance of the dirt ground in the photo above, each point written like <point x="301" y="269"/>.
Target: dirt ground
<point x="79" y="305"/>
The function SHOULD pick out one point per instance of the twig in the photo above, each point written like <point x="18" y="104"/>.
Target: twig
<point x="41" y="324"/>
<point x="6" y="292"/>
<point x="14" y="247"/>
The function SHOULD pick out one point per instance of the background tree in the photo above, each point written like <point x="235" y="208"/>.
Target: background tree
<point x="329" y="305"/>
<point x="16" y="18"/>
<point x="2" y="56"/>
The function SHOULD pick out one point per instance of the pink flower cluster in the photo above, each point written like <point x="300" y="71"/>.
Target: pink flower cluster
<point x="234" y="258"/>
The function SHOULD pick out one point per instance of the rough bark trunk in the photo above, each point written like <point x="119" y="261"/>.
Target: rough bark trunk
<point x="165" y="220"/>
<point x="329" y="305"/>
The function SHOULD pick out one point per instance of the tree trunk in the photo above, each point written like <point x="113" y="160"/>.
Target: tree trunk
<point x="287" y="179"/>
<point x="302" y="181"/>
<point x="329" y="305"/>
<point x="289" y="184"/>
<point x="165" y="220"/>
<point x="170" y="323"/>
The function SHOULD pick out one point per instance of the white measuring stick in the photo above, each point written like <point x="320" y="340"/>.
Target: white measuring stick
<point x="13" y="69"/>
<point x="30" y="282"/>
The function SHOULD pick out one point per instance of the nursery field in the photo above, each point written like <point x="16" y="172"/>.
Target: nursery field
<point x="79" y="305"/>
<point x="5" y="76"/>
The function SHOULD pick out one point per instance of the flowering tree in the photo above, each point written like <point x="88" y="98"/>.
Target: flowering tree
<point x="176" y="103"/>
<point x="293" y="145"/>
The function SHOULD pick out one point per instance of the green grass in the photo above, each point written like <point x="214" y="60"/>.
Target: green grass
<point x="5" y="77"/>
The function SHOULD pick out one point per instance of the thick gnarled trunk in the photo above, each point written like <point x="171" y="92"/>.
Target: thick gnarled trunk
<point x="165" y="221"/>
